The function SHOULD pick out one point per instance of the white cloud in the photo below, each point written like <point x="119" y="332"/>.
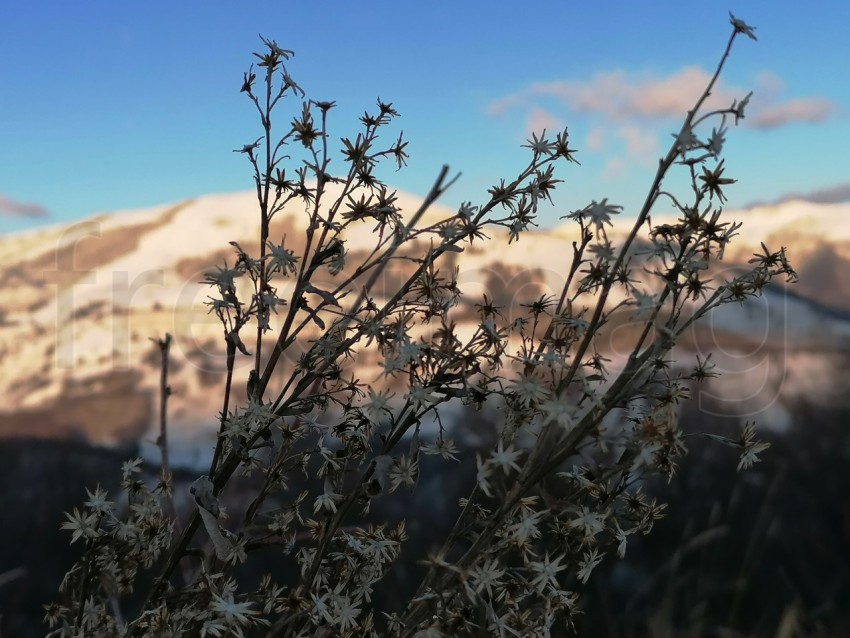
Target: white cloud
<point x="837" y="194"/>
<point x="499" y="107"/>
<point x="768" y="85"/>
<point x="12" y="208"/>
<point x="813" y="110"/>
<point x="617" y="97"/>
<point x="641" y="143"/>
<point x="614" y="169"/>
<point x="595" y="139"/>
<point x="540" y="119"/>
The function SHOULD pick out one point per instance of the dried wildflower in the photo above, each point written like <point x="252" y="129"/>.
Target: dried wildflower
<point x="750" y="447"/>
<point x="589" y="522"/>
<point x="597" y="213"/>
<point x="281" y="259"/>
<point x="98" y="502"/>
<point x="546" y="572"/>
<point x="240" y="613"/>
<point x="591" y="559"/>
<point x="82" y="525"/>
<point x="550" y="478"/>
<point x="540" y="146"/>
<point x="442" y="447"/>
<point x="738" y="107"/>
<point x="559" y="410"/>
<point x="713" y="182"/>
<point x="526" y="529"/>
<point x="528" y="390"/>
<point x="485" y="577"/>
<point x="128" y="468"/>
<point x="405" y="471"/>
<point x="716" y="141"/>
<point x="505" y="458"/>
<point x="485" y="470"/>
<point x="378" y="406"/>
<point x="742" y="27"/>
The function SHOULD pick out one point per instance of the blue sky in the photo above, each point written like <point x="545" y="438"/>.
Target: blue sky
<point x="117" y="105"/>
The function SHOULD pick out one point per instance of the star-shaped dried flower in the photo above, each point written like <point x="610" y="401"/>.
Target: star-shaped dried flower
<point x="742" y="27"/>
<point x="714" y="183"/>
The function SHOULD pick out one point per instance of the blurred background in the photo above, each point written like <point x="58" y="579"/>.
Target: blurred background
<point x="118" y="191"/>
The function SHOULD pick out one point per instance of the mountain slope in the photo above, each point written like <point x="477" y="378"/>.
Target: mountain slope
<point x="81" y="301"/>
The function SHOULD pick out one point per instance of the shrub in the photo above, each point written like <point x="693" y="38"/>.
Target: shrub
<point x="558" y="491"/>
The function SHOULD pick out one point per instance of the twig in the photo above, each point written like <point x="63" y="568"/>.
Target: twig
<point x="162" y="439"/>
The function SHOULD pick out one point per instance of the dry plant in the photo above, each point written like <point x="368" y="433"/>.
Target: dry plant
<point x="557" y="493"/>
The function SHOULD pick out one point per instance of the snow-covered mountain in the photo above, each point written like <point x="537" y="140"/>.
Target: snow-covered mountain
<point x="80" y="303"/>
